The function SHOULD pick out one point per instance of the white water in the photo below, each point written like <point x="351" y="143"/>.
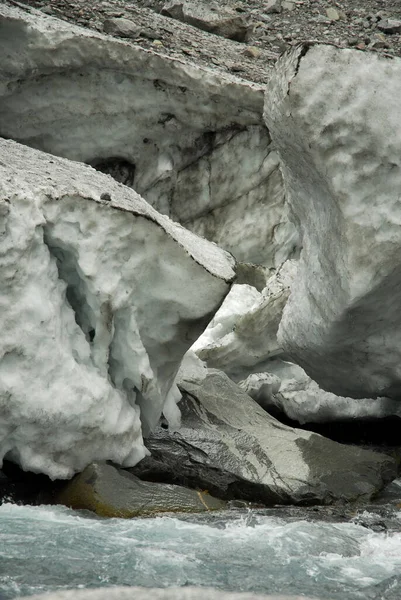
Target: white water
<point x="47" y="547"/>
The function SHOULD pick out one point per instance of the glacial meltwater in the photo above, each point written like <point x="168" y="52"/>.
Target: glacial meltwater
<point x="44" y="548"/>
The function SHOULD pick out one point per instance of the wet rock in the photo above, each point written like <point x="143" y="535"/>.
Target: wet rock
<point x="234" y="27"/>
<point x="121" y="27"/>
<point x="110" y="492"/>
<point x="232" y="447"/>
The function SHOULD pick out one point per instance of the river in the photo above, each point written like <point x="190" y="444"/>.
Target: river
<point x="44" y="548"/>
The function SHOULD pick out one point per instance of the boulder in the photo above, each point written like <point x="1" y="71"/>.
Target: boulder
<point x="220" y="22"/>
<point x="190" y="140"/>
<point x="111" y="492"/>
<point x="242" y="337"/>
<point x="230" y="446"/>
<point x="121" y="27"/>
<point x="100" y="299"/>
<point x="335" y="117"/>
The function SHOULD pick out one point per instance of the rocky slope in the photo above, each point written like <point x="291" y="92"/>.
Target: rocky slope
<point x="274" y="26"/>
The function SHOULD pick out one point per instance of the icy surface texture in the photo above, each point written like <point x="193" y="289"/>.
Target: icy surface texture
<point x="335" y="117"/>
<point x="242" y="337"/>
<point x="190" y="141"/>
<point x="288" y="389"/>
<point x="100" y="298"/>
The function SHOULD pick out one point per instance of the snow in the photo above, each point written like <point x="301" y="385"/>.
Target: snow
<point x="100" y="299"/>
<point x="334" y="115"/>
<point x="242" y="337"/>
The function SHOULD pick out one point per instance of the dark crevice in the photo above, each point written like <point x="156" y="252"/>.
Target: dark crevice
<point x="118" y="168"/>
<point x="68" y="271"/>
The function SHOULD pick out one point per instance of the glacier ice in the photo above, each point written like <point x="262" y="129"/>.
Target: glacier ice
<point x="242" y="337"/>
<point x="100" y="298"/>
<point x="288" y="390"/>
<point x="335" y="117"/>
<point x="192" y="142"/>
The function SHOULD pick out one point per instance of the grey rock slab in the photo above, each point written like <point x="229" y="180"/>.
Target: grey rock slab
<point x="229" y="445"/>
<point x="335" y="117"/>
<point x="111" y="492"/>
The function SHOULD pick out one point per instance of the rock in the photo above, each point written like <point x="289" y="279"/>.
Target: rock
<point x="100" y="301"/>
<point x="242" y="336"/>
<point x="272" y="6"/>
<point x="390" y="26"/>
<point x="111" y="492"/>
<point x="122" y="27"/>
<point x="190" y="140"/>
<point x="252" y="52"/>
<point x="234" y="27"/>
<point x="341" y="162"/>
<point x="333" y="14"/>
<point x="232" y="447"/>
<point x="287" y="5"/>
<point x="140" y="593"/>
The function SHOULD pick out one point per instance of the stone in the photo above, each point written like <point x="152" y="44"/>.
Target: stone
<point x="230" y="446"/>
<point x="333" y="14"/>
<point x="252" y="52"/>
<point x="389" y="26"/>
<point x="231" y="26"/>
<point x="100" y="300"/>
<point x="341" y="163"/>
<point x="111" y="492"/>
<point x="272" y="6"/>
<point x="287" y="5"/>
<point x="190" y="140"/>
<point x="121" y="27"/>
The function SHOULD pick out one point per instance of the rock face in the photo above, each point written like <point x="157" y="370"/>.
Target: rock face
<point x="100" y="298"/>
<point x="230" y="446"/>
<point x="191" y="142"/>
<point x="242" y="337"/>
<point x="334" y="115"/>
<point x="110" y="492"/>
